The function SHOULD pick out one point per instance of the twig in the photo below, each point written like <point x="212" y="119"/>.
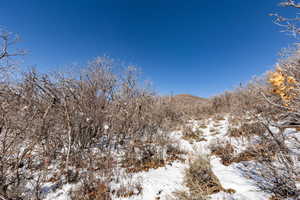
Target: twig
<point x="277" y="105"/>
<point x="2" y="197"/>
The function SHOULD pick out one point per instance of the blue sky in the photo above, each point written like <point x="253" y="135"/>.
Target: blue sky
<point x="200" y="47"/>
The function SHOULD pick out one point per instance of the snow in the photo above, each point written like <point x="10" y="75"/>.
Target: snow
<point x="161" y="183"/>
<point x="164" y="181"/>
<point x="61" y="194"/>
<point x="231" y="179"/>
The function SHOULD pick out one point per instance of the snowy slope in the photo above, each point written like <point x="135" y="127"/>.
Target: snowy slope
<point x="161" y="183"/>
<point x="164" y="181"/>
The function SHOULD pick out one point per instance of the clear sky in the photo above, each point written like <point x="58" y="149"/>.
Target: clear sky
<point x="199" y="47"/>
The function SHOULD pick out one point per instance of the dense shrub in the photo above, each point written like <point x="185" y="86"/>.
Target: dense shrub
<point x="78" y="121"/>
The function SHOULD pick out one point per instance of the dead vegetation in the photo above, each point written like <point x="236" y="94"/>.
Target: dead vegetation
<point x="247" y="130"/>
<point x="265" y="150"/>
<point x="201" y="181"/>
<point x="63" y="124"/>
<point x="93" y="189"/>
<point x="192" y="135"/>
<point x="223" y="150"/>
<point x="56" y="126"/>
<point x="200" y="178"/>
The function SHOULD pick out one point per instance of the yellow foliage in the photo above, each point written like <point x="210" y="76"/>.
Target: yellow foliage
<point x="291" y="80"/>
<point x="282" y="85"/>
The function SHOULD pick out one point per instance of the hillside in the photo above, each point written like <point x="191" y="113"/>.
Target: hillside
<point x="189" y="99"/>
<point x="85" y="140"/>
<point x="98" y="131"/>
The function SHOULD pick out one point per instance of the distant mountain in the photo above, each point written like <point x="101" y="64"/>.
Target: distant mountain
<point x="189" y="99"/>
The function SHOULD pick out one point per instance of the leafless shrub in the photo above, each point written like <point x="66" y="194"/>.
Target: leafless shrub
<point x="183" y="195"/>
<point x="247" y="130"/>
<point x="79" y="122"/>
<point x="8" y="41"/>
<point x="151" y="157"/>
<point x="275" y="179"/>
<point x="265" y="151"/>
<point x="224" y="150"/>
<point x="92" y="189"/>
<point x="97" y="185"/>
<point x="128" y="190"/>
<point x="289" y="24"/>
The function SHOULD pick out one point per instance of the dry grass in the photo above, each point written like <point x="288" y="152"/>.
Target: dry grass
<point x="218" y="118"/>
<point x="136" y="165"/>
<point x="92" y="191"/>
<point x="213" y="130"/>
<point x="199" y="178"/>
<point x="273" y="197"/>
<point x="190" y="135"/>
<point x="101" y="191"/>
<point x="183" y="195"/>
<point x="264" y="151"/>
<point x="201" y="181"/>
<point x="151" y="160"/>
<point x="203" y="126"/>
<point x="223" y="150"/>
<point x="77" y="120"/>
<point x="247" y="130"/>
<point x="93" y="187"/>
<point x="126" y="191"/>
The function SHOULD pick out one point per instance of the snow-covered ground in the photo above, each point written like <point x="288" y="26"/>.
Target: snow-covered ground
<point x="161" y="183"/>
<point x="231" y="179"/>
<point x="164" y="181"/>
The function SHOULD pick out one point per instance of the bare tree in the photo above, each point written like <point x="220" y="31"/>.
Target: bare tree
<point x="290" y="3"/>
<point x="7" y="40"/>
<point x="8" y="50"/>
<point x="289" y="24"/>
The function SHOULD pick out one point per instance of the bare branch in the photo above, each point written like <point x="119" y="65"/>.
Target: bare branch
<point x="290" y="25"/>
<point x="2" y="197"/>
<point x="290" y="3"/>
<point x="8" y="39"/>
